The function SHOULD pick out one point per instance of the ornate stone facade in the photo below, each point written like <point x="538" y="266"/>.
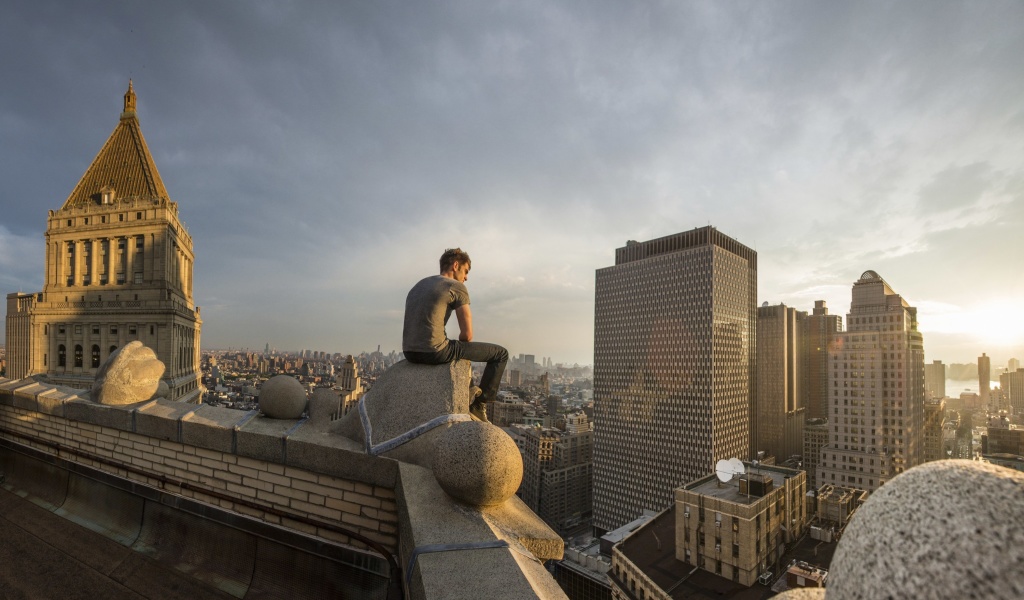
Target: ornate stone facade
<point x="118" y="269"/>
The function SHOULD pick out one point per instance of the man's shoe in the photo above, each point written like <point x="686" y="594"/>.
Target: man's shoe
<point x="479" y="410"/>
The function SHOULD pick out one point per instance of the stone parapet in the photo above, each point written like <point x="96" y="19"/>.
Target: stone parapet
<point x="295" y="475"/>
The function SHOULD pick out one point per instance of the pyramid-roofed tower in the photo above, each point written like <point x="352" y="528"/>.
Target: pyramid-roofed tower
<point x="118" y="268"/>
<point x="124" y="163"/>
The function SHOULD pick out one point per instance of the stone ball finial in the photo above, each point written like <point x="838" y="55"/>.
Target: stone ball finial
<point x="945" y="529"/>
<point x="131" y="374"/>
<point x="282" y="397"/>
<point x="477" y="463"/>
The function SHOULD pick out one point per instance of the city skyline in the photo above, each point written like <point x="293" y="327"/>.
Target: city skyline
<point x="313" y="153"/>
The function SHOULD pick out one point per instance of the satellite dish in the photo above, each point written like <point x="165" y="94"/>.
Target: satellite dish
<point x="737" y="466"/>
<point x="723" y="469"/>
<point x="727" y="469"/>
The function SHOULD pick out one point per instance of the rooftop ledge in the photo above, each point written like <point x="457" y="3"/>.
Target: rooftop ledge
<point x="296" y="475"/>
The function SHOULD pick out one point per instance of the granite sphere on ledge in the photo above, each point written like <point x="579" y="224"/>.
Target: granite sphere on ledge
<point x="282" y="397"/>
<point x="945" y="529"/>
<point x="477" y="463"/>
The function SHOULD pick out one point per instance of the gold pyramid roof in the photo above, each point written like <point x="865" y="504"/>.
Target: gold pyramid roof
<point x="124" y="164"/>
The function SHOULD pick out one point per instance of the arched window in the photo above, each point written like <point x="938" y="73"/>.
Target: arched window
<point x="95" y="356"/>
<point x="62" y="356"/>
<point x="113" y="349"/>
<point x="78" y="355"/>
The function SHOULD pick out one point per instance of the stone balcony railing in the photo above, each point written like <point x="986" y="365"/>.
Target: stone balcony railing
<point x="295" y="476"/>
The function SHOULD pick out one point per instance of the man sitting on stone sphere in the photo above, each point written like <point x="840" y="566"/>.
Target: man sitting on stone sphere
<point x="428" y="307"/>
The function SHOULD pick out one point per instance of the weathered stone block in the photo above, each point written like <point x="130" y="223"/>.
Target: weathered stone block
<point x="263" y="438"/>
<point x="406" y="396"/>
<point x="212" y="427"/>
<point x="324" y="404"/>
<point x="117" y="417"/>
<point x="160" y="419"/>
<point x="337" y="456"/>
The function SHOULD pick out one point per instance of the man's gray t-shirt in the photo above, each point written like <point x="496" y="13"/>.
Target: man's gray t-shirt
<point x="427" y="308"/>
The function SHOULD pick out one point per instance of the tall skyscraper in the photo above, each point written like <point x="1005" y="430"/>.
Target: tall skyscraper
<point x="984" y="378"/>
<point x="674" y="332"/>
<point x="1012" y="365"/>
<point x="819" y="338"/>
<point x="876" y="405"/>
<point x="935" y="380"/>
<point x="780" y="381"/>
<point x="118" y="269"/>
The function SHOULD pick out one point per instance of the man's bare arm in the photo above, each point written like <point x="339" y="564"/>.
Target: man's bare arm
<point x="465" y="317"/>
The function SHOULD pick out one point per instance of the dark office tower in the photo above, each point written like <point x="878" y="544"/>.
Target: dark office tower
<point x="674" y="329"/>
<point x="984" y="377"/>
<point x="780" y="414"/>
<point x="819" y="335"/>
<point x="876" y="405"/>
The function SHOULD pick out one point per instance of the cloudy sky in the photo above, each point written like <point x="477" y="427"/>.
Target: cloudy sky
<point x="323" y="154"/>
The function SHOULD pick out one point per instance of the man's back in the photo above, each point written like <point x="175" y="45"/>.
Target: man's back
<point x="427" y="309"/>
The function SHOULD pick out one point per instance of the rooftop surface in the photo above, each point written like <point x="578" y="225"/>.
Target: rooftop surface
<point x="44" y="555"/>
<point x="653" y="550"/>
<point x="730" y="490"/>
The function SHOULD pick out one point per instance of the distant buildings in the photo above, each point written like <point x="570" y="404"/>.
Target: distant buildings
<point x="984" y="375"/>
<point x="820" y="331"/>
<point x="876" y="407"/>
<point x="558" y="472"/>
<point x="1012" y="385"/>
<point x="934" y="421"/>
<point x="935" y="380"/>
<point x="815" y="438"/>
<point x="674" y="338"/>
<point x="716" y="539"/>
<point x="780" y="378"/>
<point x="118" y="269"/>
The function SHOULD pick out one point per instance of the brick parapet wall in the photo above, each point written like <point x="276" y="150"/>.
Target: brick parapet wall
<point x="271" y="490"/>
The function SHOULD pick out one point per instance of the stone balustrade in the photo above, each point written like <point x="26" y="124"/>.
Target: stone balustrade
<point x="295" y="475"/>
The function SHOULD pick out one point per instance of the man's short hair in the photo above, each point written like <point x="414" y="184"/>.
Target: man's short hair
<point x="453" y="255"/>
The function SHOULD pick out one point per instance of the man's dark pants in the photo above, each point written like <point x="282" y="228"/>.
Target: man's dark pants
<point x="494" y="355"/>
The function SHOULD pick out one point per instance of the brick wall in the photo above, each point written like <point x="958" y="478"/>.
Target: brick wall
<point x="263" y="489"/>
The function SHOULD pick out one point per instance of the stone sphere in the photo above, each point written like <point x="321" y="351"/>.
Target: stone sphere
<point x="131" y="374"/>
<point x="477" y="463"/>
<point x="282" y="397"/>
<point x="945" y="529"/>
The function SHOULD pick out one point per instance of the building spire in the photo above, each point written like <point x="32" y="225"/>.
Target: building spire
<point x="129" y="102"/>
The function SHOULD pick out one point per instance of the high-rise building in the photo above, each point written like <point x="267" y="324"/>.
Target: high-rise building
<point x="674" y="339"/>
<point x="1012" y="365"/>
<point x="819" y="338"/>
<point x="934" y="420"/>
<point x="780" y="377"/>
<point x="935" y="380"/>
<point x="876" y="406"/>
<point x="118" y="269"/>
<point x="815" y="438"/>
<point x="1012" y="385"/>
<point x="984" y="378"/>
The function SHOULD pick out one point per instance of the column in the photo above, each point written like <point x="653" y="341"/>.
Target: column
<point x="129" y="265"/>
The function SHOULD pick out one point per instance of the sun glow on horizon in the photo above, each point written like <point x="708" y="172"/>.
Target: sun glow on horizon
<point x="997" y="323"/>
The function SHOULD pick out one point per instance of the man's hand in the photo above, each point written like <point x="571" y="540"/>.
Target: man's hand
<point x="465" y="317"/>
